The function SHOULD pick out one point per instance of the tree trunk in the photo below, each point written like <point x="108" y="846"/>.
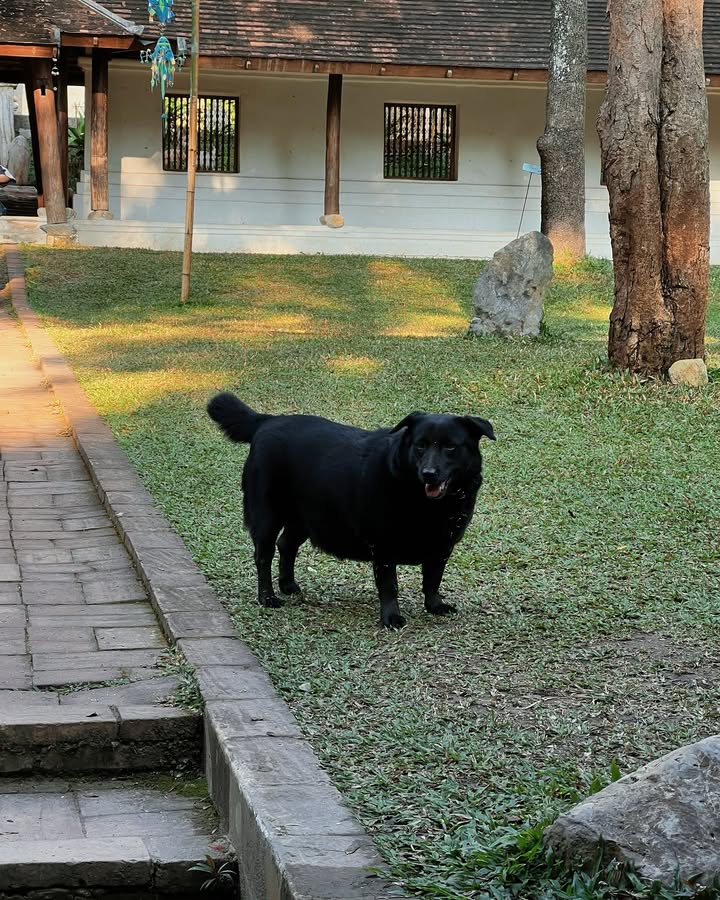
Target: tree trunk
<point x="653" y="137"/>
<point x="640" y="326"/>
<point x="562" y="146"/>
<point x="684" y="177"/>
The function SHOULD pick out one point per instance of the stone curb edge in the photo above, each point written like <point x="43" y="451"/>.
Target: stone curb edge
<point x="294" y="836"/>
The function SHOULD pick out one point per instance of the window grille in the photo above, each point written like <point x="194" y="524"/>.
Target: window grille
<point x="420" y="141"/>
<point x="217" y="134"/>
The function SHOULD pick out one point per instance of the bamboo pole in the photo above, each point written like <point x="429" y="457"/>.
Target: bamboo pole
<point x="192" y="151"/>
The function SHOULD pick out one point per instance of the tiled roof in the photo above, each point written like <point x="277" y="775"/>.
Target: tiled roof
<point x="34" y="21"/>
<point x="454" y="33"/>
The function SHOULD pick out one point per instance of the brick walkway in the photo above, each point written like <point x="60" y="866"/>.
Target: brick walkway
<point x="72" y="610"/>
<point x="82" y="803"/>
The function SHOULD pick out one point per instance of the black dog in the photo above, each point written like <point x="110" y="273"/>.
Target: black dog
<point x="401" y="495"/>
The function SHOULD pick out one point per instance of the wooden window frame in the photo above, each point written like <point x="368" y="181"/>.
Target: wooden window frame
<point x="452" y="160"/>
<point x="181" y="150"/>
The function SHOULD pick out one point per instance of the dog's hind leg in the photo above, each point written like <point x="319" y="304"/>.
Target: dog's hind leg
<point x="432" y="573"/>
<point x="387" y="585"/>
<point x="264" y="539"/>
<point x="289" y="542"/>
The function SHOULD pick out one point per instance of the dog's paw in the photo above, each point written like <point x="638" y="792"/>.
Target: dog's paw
<point x="271" y="601"/>
<point x="289" y="587"/>
<point x="394" y="620"/>
<point x="441" y="609"/>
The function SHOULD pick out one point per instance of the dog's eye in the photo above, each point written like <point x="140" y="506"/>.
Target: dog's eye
<point x="421" y="448"/>
<point x="448" y="448"/>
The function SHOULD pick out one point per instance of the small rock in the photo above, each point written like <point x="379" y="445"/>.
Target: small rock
<point x="508" y="295"/>
<point x="692" y="372"/>
<point x="662" y="819"/>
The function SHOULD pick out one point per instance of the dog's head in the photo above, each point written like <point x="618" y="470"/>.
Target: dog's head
<point x="443" y="451"/>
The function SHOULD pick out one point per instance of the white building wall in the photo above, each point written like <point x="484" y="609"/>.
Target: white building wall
<point x="279" y="188"/>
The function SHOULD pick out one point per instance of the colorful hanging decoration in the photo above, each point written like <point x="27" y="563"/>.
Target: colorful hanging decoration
<point x="161" y="57"/>
<point x="162" y="62"/>
<point x="162" y="10"/>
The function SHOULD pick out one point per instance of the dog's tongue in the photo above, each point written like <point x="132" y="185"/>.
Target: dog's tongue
<point x="434" y="490"/>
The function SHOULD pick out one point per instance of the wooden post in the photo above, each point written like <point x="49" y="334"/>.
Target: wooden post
<point x="99" y="204"/>
<point x="62" y="117"/>
<point x="332" y="215"/>
<point x="192" y="152"/>
<point x="32" y="115"/>
<point x="48" y="144"/>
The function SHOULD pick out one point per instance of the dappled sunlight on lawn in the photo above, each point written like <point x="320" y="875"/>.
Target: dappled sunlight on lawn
<point x="352" y="365"/>
<point x="261" y="292"/>
<point x="418" y="324"/>
<point x="137" y="390"/>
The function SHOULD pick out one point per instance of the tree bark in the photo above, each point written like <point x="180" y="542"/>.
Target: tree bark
<point x="684" y="176"/>
<point x="562" y="146"/>
<point x="640" y="325"/>
<point x="653" y="135"/>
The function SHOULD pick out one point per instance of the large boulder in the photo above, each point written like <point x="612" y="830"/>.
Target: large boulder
<point x="664" y="819"/>
<point x="508" y="295"/>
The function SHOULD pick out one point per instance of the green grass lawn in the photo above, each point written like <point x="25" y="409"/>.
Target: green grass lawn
<point x="587" y="586"/>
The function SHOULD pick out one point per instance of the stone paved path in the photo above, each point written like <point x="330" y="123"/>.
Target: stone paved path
<point x="72" y="610"/>
<point x="73" y="614"/>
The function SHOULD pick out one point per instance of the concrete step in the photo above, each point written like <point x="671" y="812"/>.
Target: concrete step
<point x="129" y="837"/>
<point x="106" y="730"/>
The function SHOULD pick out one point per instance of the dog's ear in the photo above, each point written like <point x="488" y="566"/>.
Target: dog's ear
<point x="479" y="428"/>
<point x="408" y="421"/>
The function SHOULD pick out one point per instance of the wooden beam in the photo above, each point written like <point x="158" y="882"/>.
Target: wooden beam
<point x="48" y="144"/>
<point x="332" y="146"/>
<point x="32" y="115"/>
<point x="28" y="51"/>
<point x="99" y="203"/>
<point x="101" y="43"/>
<point x="388" y="70"/>
<point x="62" y="118"/>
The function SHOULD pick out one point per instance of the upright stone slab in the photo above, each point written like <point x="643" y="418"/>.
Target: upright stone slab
<point x="508" y="295"/>
<point x="663" y="819"/>
<point x="19" y="158"/>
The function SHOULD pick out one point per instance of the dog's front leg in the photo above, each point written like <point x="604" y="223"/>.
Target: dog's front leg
<point x="432" y="572"/>
<point x="387" y="586"/>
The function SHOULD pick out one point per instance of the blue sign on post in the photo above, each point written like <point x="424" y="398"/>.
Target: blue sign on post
<point x="529" y="167"/>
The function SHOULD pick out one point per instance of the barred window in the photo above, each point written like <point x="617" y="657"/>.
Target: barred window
<point x="217" y="133"/>
<point x="420" y="141"/>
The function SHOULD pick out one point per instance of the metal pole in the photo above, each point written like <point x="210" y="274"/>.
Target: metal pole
<point x="524" y="205"/>
<point x="192" y="151"/>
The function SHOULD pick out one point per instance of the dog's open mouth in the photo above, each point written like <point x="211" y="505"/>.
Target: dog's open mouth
<point x="436" y="491"/>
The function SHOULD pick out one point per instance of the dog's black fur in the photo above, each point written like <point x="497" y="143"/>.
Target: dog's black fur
<point x="401" y="495"/>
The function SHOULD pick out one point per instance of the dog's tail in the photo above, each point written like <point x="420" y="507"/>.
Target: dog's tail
<point x="236" y="419"/>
